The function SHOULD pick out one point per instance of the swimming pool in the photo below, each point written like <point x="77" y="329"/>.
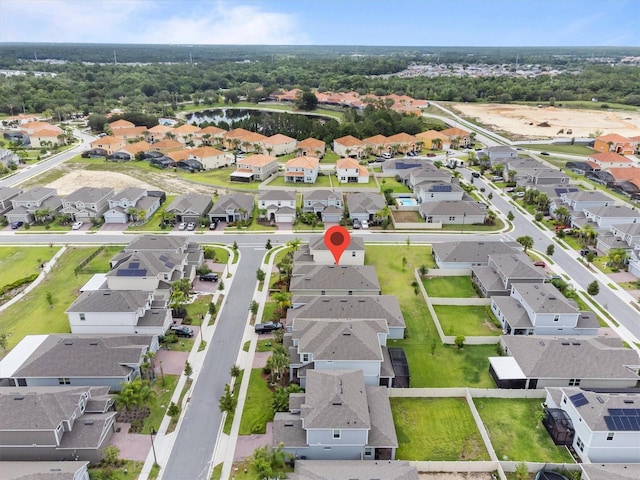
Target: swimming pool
<point x="407" y="202"/>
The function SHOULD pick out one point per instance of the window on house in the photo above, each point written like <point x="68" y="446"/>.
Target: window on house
<point x="574" y="382"/>
<point x="64" y="381"/>
<point x="336" y="434"/>
<point x="610" y="436"/>
<point x="353" y="254"/>
<point x="82" y="317"/>
<point x="306" y="357"/>
<point x="350" y="292"/>
<point x="556" y="318"/>
<point x="323" y="292"/>
<point x="368" y="452"/>
<point x="452" y="218"/>
<point x="580" y="444"/>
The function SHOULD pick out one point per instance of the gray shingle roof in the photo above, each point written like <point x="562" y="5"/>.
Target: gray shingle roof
<point x="88" y="194"/>
<point x="146" y="264"/>
<point x="35" y="194"/>
<point x="383" y="431"/>
<point x="365" y="202"/>
<point x="330" y="277"/>
<point x="286" y="195"/>
<point x="587" y="195"/>
<point x="472" y="252"/>
<point x="355" y="243"/>
<point x="85" y="356"/>
<point x="544" y="298"/>
<point x="516" y="266"/>
<point x="129" y="193"/>
<point x="350" y="470"/>
<point x="452" y="207"/>
<point x="195" y="203"/>
<point x="233" y="201"/>
<point x="173" y="243"/>
<point x="321" y="195"/>
<point x="364" y="306"/>
<point x="613" y="211"/>
<point x="513" y="311"/>
<point x="109" y="301"/>
<point x="543" y="357"/>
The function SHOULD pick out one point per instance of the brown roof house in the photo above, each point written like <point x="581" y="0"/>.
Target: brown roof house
<point x="255" y="167"/>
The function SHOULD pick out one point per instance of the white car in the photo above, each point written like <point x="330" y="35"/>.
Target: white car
<point x="364" y="224"/>
<point x="191" y="226"/>
<point x="182" y="226"/>
<point x="77" y="225"/>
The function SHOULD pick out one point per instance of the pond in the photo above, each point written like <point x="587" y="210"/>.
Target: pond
<point x="231" y="115"/>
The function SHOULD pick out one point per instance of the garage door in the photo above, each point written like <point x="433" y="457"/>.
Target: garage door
<point x="285" y="217"/>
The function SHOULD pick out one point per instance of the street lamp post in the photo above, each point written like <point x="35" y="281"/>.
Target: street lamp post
<point x="153" y="447"/>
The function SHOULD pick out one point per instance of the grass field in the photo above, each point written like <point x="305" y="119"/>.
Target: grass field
<point x="449" y="287"/>
<point x="515" y="433"/>
<point x="324" y="181"/>
<point x="552" y="147"/>
<point x="34" y="315"/>
<point x="219" y="178"/>
<point x="393" y="184"/>
<point x="200" y="306"/>
<point x="465" y="320"/>
<point x="20" y="262"/>
<point x="257" y="409"/>
<point x="436" y="429"/>
<point x="431" y="363"/>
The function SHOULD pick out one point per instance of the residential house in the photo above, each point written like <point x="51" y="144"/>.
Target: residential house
<point x="41" y="202"/>
<point x="426" y="173"/>
<point x="365" y="206"/>
<point x="131" y="204"/>
<point x="87" y="203"/>
<point x="316" y="252"/>
<point x="356" y="307"/>
<point x="601" y="426"/>
<point x="608" y="160"/>
<point x="610" y="471"/>
<point x="186" y="133"/>
<point x="542" y="176"/>
<point x="209" y="157"/>
<point x="539" y="361"/>
<point x="190" y="207"/>
<point x="255" y="167"/>
<point x="122" y="123"/>
<point x="401" y="166"/>
<point x="348" y="470"/>
<point x="303" y="169"/>
<point x="604" y="217"/>
<point x="243" y="140"/>
<point x="402" y="142"/>
<point x="438" y="191"/>
<point x="629" y="233"/>
<point x="109" y="144"/>
<point x="232" y="207"/>
<point x="129" y="152"/>
<point x="147" y="271"/>
<point x="166" y="145"/>
<point x="278" y="205"/>
<point x="499" y="153"/>
<point x="210" y="135"/>
<point x="625" y="180"/>
<point x="541" y="309"/>
<point x="522" y="166"/>
<point x="6" y="194"/>
<point x="159" y="132"/>
<point x="349" y="146"/>
<point x="339" y="344"/>
<point x="70" y="470"/>
<point x="582" y="199"/>
<point x="46" y="136"/>
<point x="119" y="312"/>
<point x="504" y="270"/>
<point x="311" y="146"/>
<point x="327" y="204"/>
<point x="76" y="360"/>
<point x="55" y="423"/>
<point x="334" y="280"/>
<point x="449" y="212"/>
<point x="348" y="170"/>
<point x="465" y="254"/>
<point x="170" y="244"/>
<point x="8" y="157"/>
<point x="338" y="417"/>
<point x="613" y="143"/>
<point x="130" y="134"/>
<point x="434" y="140"/>
<point x="457" y="137"/>
<point x="279" y="144"/>
<point x="377" y="144"/>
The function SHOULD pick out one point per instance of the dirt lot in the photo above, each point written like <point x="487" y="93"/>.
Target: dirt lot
<point x="523" y="120"/>
<point x="165" y="181"/>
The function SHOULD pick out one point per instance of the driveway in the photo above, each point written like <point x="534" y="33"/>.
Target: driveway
<point x="172" y="362"/>
<point x="247" y="444"/>
<point x="133" y="446"/>
<point x="113" y="227"/>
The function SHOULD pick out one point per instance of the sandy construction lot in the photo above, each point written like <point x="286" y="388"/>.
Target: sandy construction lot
<point x="522" y="121"/>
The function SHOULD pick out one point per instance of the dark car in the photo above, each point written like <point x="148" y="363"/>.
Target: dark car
<point x="431" y="154"/>
<point x="546" y="154"/>
<point x="209" y="277"/>
<point x="213" y="225"/>
<point x="267" y="327"/>
<point x="356" y="223"/>
<point x="585" y="251"/>
<point x="182" y="331"/>
<point x="16" y="225"/>
<point x="475" y="174"/>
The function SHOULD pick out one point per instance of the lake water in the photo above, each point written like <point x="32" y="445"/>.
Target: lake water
<point x="230" y="115"/>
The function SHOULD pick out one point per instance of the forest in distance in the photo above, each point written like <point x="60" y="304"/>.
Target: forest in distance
<point x="88" y="80"/>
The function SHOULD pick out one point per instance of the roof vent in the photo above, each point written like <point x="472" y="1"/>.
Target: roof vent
<point x="68" y="342"/>
<point x="552" y="297"/>
<point x="21" y="397"/>
<point x="627" y="400"/>
<point x="600" y="399"/>
<point x="541" y="343"/>
<point x="93" y="343"/>
<point x="576" y="343"/>
<point x="566" y="343"/>
<point x="88" y="422"/>
<point x="288" y="424"/>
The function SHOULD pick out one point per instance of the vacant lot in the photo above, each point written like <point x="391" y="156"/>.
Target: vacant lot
<point x="436" y="429"/>
<point x="450" y="287"/>
<point x="516" y="433"/>
<point x="20" y="262"/>
<point x="465" y="320"/>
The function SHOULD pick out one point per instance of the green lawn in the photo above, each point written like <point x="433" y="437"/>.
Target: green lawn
<point x="450" y="287"/>
<point x="257" y="409"/>
<point x="321" y="181"/>
<point x="446" y="366"/>
<point x="34" y="315"/>
<point x="164" y="391"/>
<point x="153" y="224"/>
<point x="552" y="147"/>
<point x="228" y="422"/>
<point x="200" y="306"/>
<point x="514" y="433"/>
<point x="20" y="262"/>
<point x="393" y="184"/>
<point x="267" y="312"/>
<point x="218" y="178"/>
<point x="465" y="320"/>
<point x="436" y="429"/>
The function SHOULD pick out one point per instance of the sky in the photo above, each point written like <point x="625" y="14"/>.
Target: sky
<point x="325" y="22"/>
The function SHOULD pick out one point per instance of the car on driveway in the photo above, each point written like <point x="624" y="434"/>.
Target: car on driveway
<point x="16" y="225"/>
<point x="77" y="225"/>
<point x="356" y="224"/>
<point x="585" y="251"/>
<point x="209" y="277"/>
<point x="213" y="225"/>
<point x="182" y="331"/>
<point x="182" y="226"/>
<point x="191" y="226"/>
<point x="364" y="224"/>
<point x="267" y="327"/>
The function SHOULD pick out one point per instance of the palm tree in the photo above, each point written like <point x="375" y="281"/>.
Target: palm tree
<point x="283" y="301"/>
<point x="617" y="257"/>
<point x="526" y="241"/>
<point x="562" y="213"/>
<point x="511" y="175"/>
<point x="436" y="144"/>
<point x="294" y="244"/>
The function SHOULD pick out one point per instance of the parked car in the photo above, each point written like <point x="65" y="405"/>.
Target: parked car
<point x="267" y="327"/>
<point x="77" y="225"/>
<point x="356" y="223"/>
<point x="182" y="331"/>
<point x="213" y="225"/>
<point x="16" y="225"/>
<point x="539" y="263"/>
<point x="209" y="277"/>
<point x="191" y="226"/>
<point x="475" y="174"/>
<point x="546" y="154"/>
<point x="585" y="251"/>
<point x="431" y="154"/>
<point x="182" y="226"/>
<point x="364" y="224"/>
<point x="386" y="155"/>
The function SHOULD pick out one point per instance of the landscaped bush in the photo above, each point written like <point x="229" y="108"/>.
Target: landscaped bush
<point x="18" y="283"/>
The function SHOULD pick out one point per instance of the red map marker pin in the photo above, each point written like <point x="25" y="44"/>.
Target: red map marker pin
<point x="337" y="240"/>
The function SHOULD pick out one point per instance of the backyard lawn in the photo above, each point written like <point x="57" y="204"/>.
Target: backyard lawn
<point x="431" y="363"/>
<point x="37" y="315"/>
<point x="465" y="320"/>
<point x="20" y="262"/>
<point x="257" y="409"/>
<point x="450" y="287"/>
<point x="393" y="184"/>
<point x="200" y="306"/>
<point x="515" y="432"/>
<point x="219" y="178"/>
<point x="322" y="181"/>
<point x="436" y="429"/>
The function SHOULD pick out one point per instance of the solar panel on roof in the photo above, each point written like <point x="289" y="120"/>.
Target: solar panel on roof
<point x="560" y="191"/>
<point x="134" y="265"/>
<point x="163" y="258"/>
<point x="615" y="411"/>
<point x="170" y="264"/>
<point x="130" y="272"/>
<point x="578" y="399"/>
<point x="609" y="422"/>
<point x="441" y="188"/>
<point x="635" y="423"/>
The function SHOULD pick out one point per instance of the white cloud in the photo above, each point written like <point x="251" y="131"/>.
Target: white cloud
<point x="146" y="21"/>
